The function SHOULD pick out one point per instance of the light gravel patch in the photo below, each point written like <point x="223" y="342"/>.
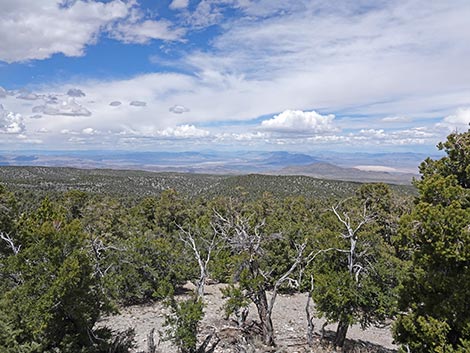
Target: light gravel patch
<point x="289" y="320"/>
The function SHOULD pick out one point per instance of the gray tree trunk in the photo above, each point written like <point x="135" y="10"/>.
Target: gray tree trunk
<point x="265" y="318"/>
<point x="341" y="332"/>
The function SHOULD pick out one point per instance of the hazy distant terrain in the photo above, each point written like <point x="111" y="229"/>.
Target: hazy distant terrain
<point x="396" y="168"/>
<point x="133" y="183"/>
<point x="330" y="171"/>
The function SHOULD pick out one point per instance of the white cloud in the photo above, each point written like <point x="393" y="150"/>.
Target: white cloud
<point x="26" y="139"/>
<point x="412" y="136"/>
<point x="373" y="133"/>
<point x="78" y="140"/>
<point x="40" y="28"/>
<point x="244" y="136"/>
<point x="89" y="131"/>
<point x="179" y="4"/>
<point x="178" y="109"/>
<point x="458" y="121"/>
<point x="395" y="119"/>
<point x="395" y="60"/>
<point x="183" y="131"/>
<point x="10" y="122"/>
<point x="68" y="107"/>
<point x="3" y="92"/>
<point x="320" y="54"/>
<point x="143" y="32"/>
<point x="206" y="14"/>
<point x="29" y="96"/>
<point x="300" y="122"/>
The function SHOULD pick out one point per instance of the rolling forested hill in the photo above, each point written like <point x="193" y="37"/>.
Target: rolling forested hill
<point x="137" y="184"/>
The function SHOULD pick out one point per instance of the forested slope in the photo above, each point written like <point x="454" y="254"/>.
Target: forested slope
<point x="141" y="183"/>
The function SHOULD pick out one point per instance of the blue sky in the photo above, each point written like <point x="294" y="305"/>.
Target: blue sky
<point x="150" y="75"/>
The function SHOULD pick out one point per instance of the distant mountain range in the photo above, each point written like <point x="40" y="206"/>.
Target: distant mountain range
<point x="398" y="168"/>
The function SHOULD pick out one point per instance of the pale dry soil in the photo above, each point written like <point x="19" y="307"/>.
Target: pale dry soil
<point x="289" y="320"/>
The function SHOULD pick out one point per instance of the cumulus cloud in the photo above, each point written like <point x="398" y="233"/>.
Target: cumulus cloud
<point x="115" y="103"/>
<point x="138" y="103"/>
<point x="183" y="131"/>
<point x="178" y="109"/>
<point x="241" y="137"/>
<point x="75" y="92"/>
<point x="40" y="28"/>
<point x="300" y="122"/>
<point x="458" y="121"/>
<point x="89" y="131"/>
<point x="67" y="107"/>
<point x="373" y="133"/>
<point x="10" y="122"/>
<point x="412" y="136"/>
<point x="179" y="4"/>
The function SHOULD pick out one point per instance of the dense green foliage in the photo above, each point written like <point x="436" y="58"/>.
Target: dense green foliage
<point x="182" y="323"/>
<point x="343" y="242"/>
<point x="356" y="278"/>
<point x="134" y="185"/>
<point x="436" y="237"/>
<point x="49" y="291"/>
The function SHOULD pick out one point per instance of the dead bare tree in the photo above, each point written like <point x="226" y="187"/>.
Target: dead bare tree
<point x="16" y="277"/>
<point x="310" y="318"/>
<point x="246" y="237"/>
<point x="355" y="264"/>
<point x="202" y="252"/>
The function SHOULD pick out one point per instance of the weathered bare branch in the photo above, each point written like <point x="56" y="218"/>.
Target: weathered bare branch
<point x="11" y="244"/>
<point x="98" y="248"/>
<point x="310" y="318"/>
<point x="285" y="277"/>
<point x="187" y="237"/>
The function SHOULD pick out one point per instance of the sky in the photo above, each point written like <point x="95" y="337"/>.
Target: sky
<point x="185" y="75"/>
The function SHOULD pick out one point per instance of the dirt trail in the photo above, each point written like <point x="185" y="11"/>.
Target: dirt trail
<point x="289" y="321"/>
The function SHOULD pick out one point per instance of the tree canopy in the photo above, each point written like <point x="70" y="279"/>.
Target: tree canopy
<point x="436" y="294"/>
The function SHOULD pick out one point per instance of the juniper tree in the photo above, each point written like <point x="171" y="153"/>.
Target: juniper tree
<point x="356" y="281"/>
<point x="436" y="236"/>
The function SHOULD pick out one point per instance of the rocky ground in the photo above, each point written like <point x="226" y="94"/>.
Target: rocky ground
<point x="289" y="319"/>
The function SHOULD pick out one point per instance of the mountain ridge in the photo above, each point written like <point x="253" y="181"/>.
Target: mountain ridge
<point x="387" y="167"/>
